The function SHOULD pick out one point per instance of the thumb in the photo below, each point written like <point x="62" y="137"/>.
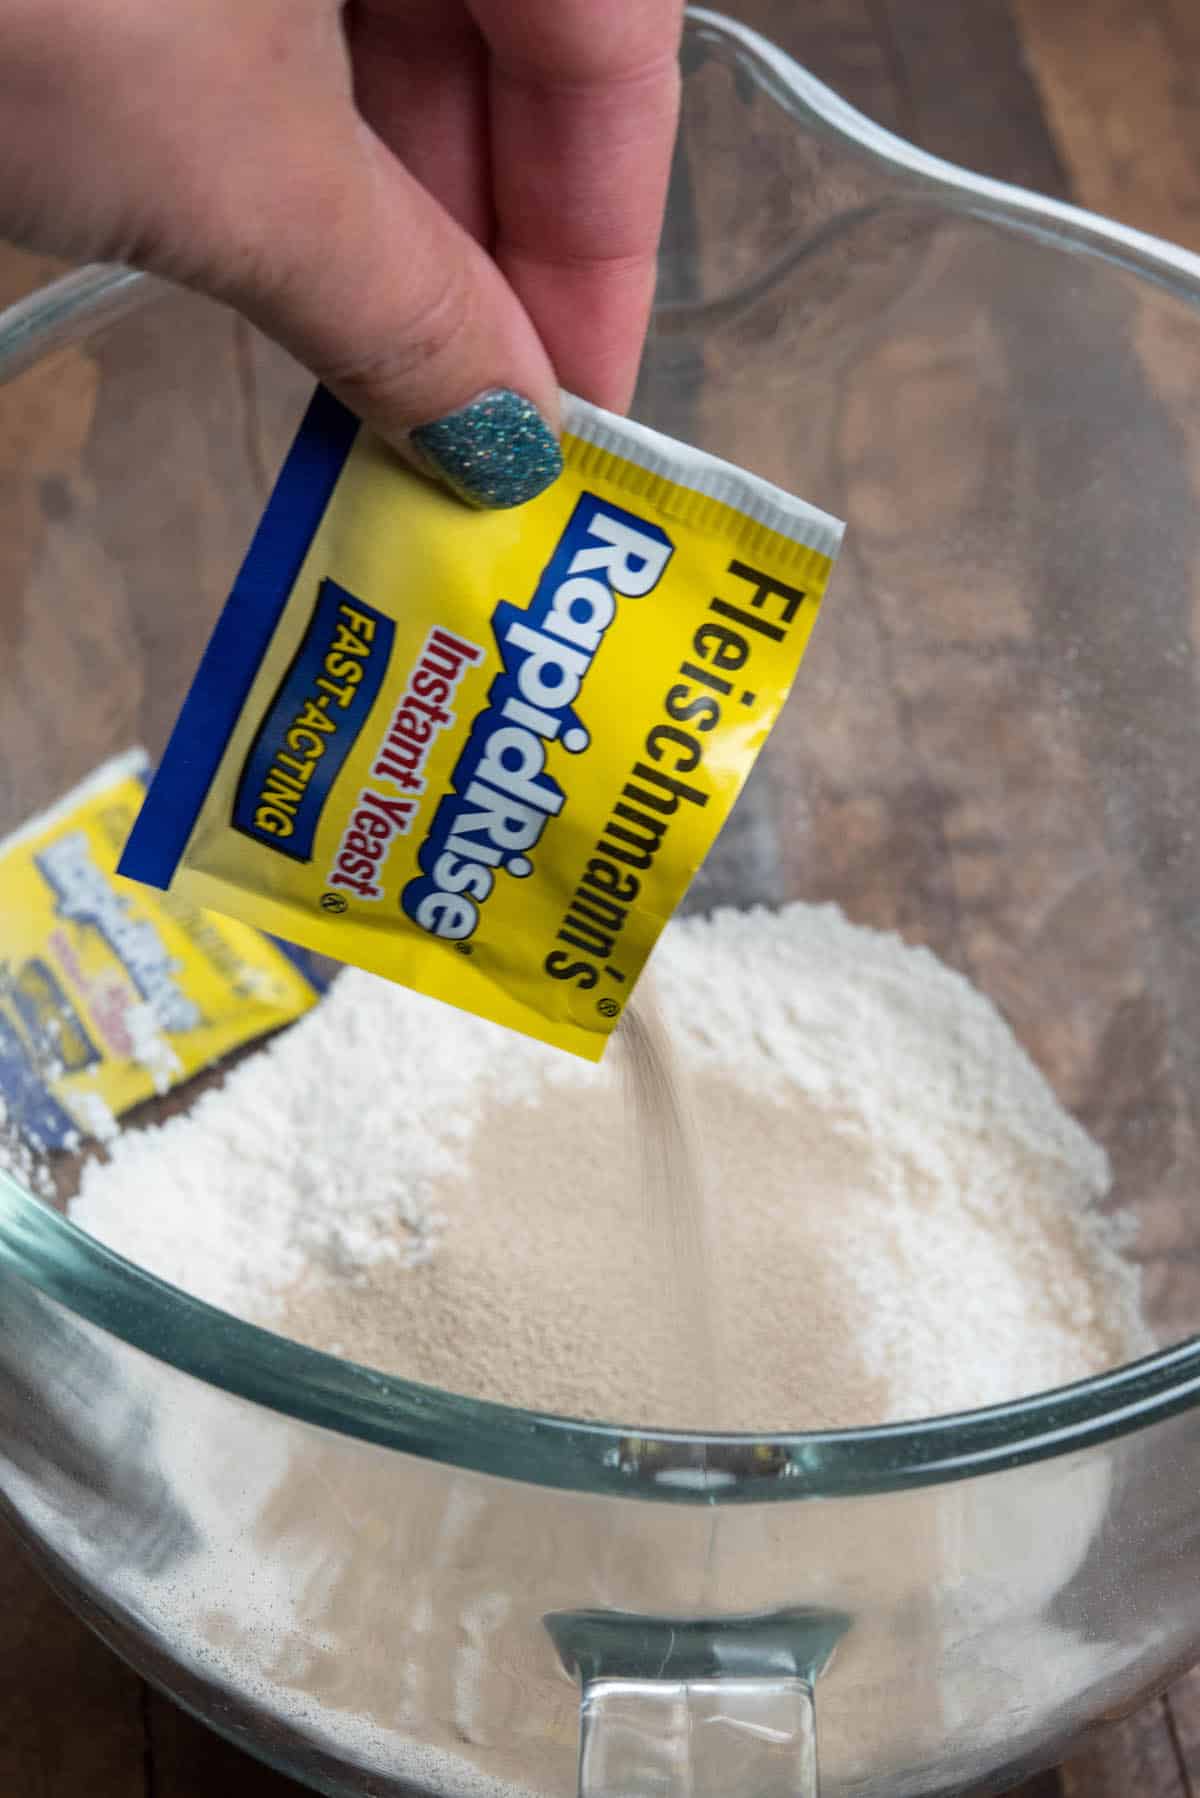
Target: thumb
<point x="349" y="263"/>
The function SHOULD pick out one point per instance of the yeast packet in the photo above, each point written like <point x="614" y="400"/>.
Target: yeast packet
<point x="110" y="993"/>
<point x="483" y="752"/>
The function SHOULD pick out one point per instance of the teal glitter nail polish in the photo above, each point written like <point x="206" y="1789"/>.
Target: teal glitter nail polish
<point x="496" y="452"/>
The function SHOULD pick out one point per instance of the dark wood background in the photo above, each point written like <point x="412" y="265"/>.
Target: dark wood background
<point x="1096" y="100"/>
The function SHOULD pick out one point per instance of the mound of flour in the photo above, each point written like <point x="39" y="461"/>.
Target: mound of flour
<point x="902" y="1219"/>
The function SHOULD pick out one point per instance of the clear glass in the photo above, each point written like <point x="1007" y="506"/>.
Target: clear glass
<point x="383" y="1588"/>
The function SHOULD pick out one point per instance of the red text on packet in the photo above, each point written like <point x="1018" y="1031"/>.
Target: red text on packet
<point x="387" y="805"/>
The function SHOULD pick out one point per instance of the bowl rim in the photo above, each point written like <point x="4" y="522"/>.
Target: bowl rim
<point x="60" y="1261"/>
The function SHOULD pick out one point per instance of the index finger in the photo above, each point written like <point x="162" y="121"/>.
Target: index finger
<point x="584" y="103"/>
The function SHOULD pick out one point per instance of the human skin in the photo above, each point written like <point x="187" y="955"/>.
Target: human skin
<point x="423" y="200"/>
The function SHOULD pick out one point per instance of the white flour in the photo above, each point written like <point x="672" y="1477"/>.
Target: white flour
<point x="904" y="1220"/>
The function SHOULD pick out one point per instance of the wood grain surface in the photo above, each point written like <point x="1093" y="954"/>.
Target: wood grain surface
<point x="1087" y="99"/>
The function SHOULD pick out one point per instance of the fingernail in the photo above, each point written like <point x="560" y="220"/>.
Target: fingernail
<point x="497" y="451"/>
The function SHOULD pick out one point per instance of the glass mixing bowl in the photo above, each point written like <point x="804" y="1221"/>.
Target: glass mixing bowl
<point x="993" y="749"/>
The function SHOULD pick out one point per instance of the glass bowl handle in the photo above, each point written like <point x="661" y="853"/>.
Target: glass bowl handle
<point x="686" y="1708"/>
<point x="702" y="1738"/>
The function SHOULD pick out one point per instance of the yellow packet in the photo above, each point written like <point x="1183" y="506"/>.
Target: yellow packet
<point x="110" y="993"/>
<point x="483" y="753"/>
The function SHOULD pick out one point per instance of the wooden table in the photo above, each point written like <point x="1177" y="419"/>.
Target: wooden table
<point x="1090" y="99"/>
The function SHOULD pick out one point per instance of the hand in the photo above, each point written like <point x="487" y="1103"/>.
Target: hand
<point x="424" y="200"/>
